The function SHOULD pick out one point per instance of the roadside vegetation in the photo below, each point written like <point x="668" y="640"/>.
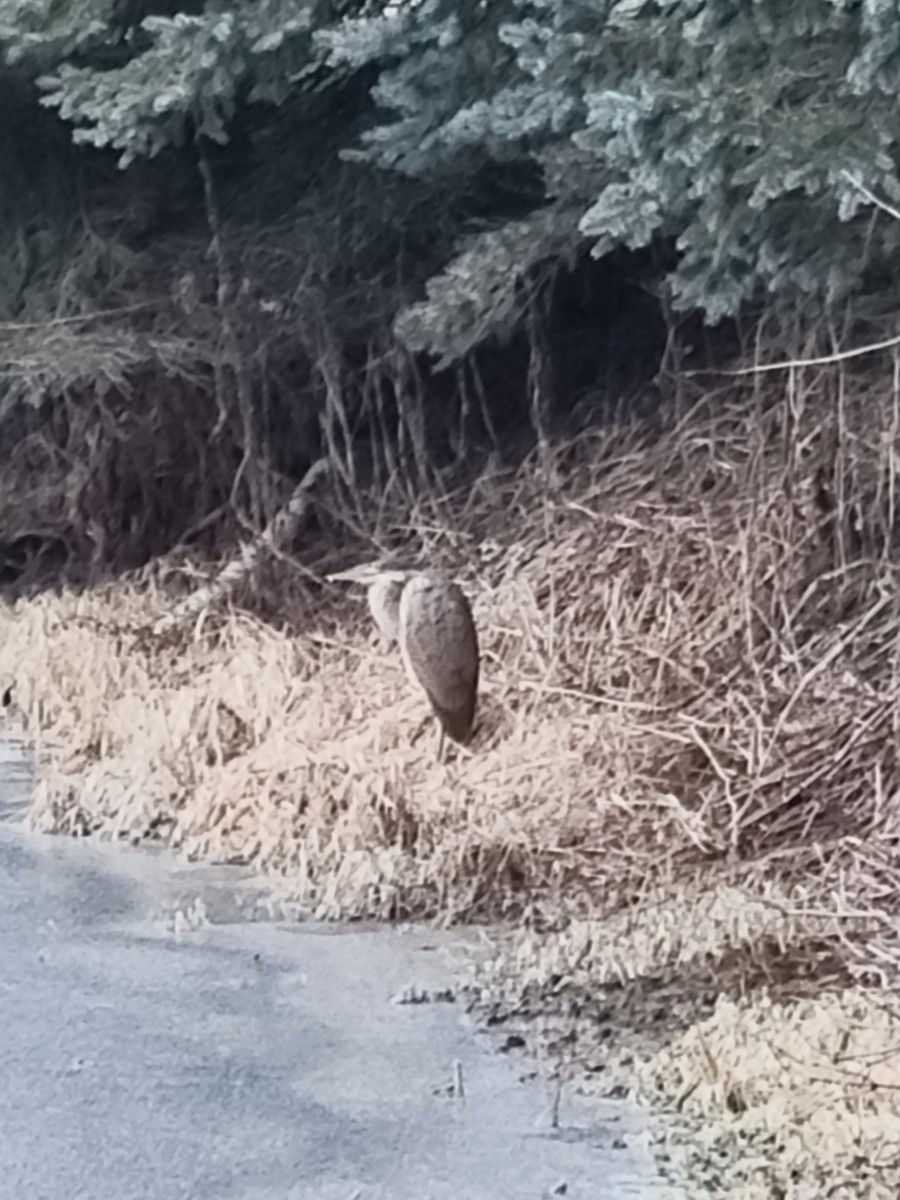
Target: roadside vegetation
<point x="582" y="326"/>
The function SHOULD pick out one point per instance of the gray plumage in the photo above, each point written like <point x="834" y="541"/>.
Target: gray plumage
<point x="430" y="616"/>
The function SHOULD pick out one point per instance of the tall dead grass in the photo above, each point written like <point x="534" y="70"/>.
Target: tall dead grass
<point x="691" y="658"/>
<point x="686" y="768"/>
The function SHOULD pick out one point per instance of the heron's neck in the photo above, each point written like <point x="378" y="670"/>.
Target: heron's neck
<point x="384" y="601"/>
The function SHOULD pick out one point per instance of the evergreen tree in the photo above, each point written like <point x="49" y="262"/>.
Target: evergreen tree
<point x="733" y="129"/>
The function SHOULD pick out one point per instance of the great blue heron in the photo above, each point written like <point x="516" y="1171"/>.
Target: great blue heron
<point x="430" y="616"/>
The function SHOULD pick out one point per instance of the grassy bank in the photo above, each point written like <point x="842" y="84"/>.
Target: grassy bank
<point x="683" y="787"/>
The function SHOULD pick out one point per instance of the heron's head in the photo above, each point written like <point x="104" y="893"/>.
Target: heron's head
<point x="384" y="585"/>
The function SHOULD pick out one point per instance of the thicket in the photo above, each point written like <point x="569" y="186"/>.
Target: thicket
<point x="238" y="239"/>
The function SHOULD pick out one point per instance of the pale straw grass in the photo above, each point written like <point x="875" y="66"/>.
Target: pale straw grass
<point x="687" y="751"/>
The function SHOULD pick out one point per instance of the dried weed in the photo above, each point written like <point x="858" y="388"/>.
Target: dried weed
<point x="687" y="760"/>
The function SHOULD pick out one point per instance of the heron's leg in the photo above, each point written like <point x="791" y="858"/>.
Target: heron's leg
<point x="441" y="743"/>
<point x="420" y="730"/>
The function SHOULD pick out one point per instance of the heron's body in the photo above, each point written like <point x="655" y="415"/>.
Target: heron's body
<point x="430" y="616"/>
<point x="439" y="645"/>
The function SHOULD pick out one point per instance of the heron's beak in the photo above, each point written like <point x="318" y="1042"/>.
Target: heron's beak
<point x="363" y="573"/>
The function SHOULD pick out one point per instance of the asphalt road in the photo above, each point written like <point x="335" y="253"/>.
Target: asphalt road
<point x="146" y="1055"/>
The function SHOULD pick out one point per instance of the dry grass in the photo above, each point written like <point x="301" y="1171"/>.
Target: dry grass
<point x="725" y="1006"/>
<point x="809" y="1089"/>
<point x="687" y="764"/>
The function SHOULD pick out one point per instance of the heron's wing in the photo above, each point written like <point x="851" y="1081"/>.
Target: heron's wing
<point x="440" y="647"/>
